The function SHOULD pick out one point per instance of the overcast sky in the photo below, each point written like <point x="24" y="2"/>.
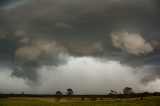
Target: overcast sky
<point x="91" y="46"/>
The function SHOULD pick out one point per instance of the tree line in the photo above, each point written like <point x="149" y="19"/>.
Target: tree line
<point x="58" y="95"/>
<point x="127" y="93"/>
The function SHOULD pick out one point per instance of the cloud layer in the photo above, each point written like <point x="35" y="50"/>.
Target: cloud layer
<point x="85" y="75"/>
<point x="45" y="33"/>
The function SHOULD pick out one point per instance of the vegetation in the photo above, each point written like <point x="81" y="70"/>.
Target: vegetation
<point x="58" y="95"/>
<point x="46" y="101"/>
<point x="129" y="98"/>
<point x="69" y="93"/>
<point x="127" y="90"/>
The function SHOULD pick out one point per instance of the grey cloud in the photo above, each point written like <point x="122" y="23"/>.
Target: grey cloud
<point x="24" y="40"/>
<point x="9" y="4"/>
<point x="148" y="74"/>
<point x="37" y="32"/>
<point x="63" y="25"/>
<point x="28" y="72"/>
<point x="85" y="49"/>
<point x="148" y="78"/>
<point x="32" y="56"/>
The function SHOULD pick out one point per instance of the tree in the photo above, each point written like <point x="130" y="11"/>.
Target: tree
<point x="58" y="96"/>
<point x="113" y="93"/>
<point x="69" y="93"/>
<point x="127" y="90"/>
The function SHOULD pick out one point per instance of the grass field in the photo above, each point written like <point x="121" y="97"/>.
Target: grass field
<point x="28" y="101"/>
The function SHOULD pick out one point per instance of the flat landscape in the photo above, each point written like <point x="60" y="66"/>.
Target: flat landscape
<point x="48" y="101"/>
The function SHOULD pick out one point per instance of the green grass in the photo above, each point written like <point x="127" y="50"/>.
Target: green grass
<point x="148" y="101"/>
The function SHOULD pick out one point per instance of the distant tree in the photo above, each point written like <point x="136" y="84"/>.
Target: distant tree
<point x="58" y="93"/>
<point x="127" y="90"/>
<point x="144" y="94"/>
<point x="156" y="94"/>
<point x="58" y="96"/>
<point x="113" y="92"/>
<point x="69" y="93"/>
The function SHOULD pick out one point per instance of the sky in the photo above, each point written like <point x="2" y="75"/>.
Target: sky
<point x="91" y="46"/>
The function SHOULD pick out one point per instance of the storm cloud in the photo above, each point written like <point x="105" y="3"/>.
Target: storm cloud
<point x="46" y="33"/>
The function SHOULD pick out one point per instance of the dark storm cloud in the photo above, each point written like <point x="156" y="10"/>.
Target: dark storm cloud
<point x="26" y="71"/>
<point x="108" y="28"/>
<point x="9" y="4"/>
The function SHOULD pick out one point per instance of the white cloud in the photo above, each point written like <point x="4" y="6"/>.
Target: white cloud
<point x="11" y="84"/>
<point x="132" y="43"/>
<point x="87" y="75"/>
